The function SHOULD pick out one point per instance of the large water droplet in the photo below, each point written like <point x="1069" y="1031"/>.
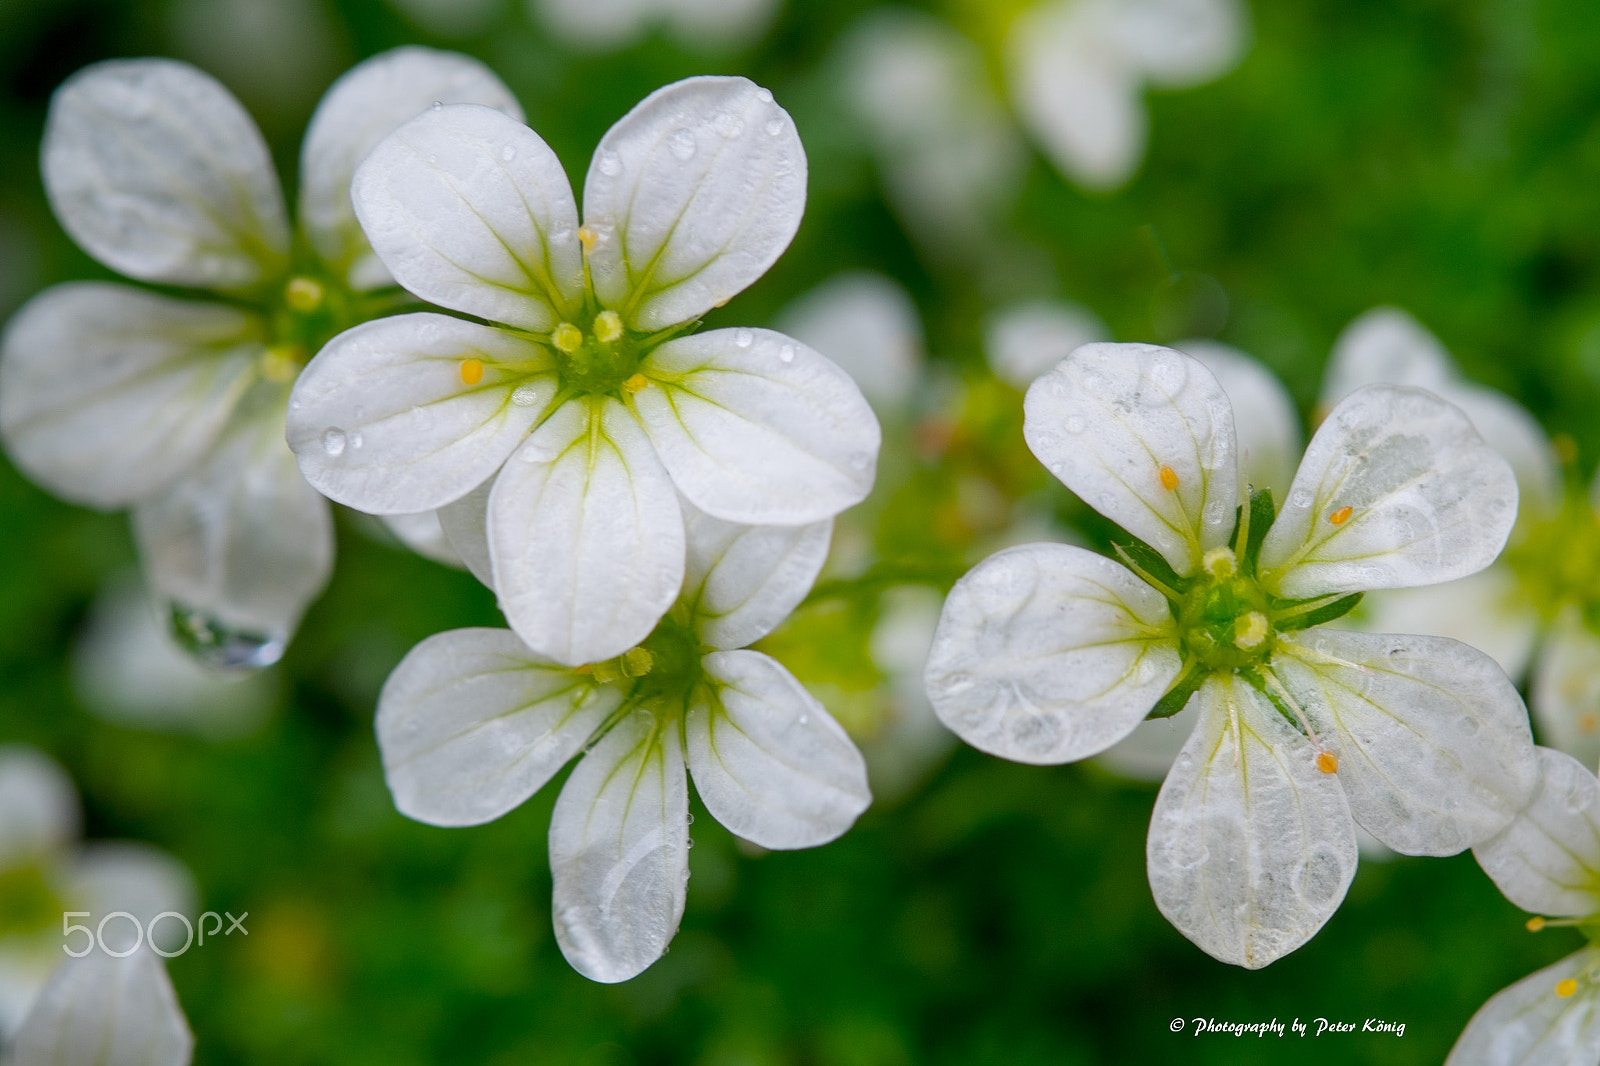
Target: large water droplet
<point x="744" y="338"/>
<point x="682" y="145"/>
<point x="333" y="441"/>
<point x="220" y="646"/>
<point x="524" y="395"/>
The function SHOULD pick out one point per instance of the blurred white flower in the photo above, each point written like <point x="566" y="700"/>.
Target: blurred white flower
<point x="114" y="396"/>
<point x="867" y="324"/>
<point x="1024" y="340"/>
<point x="909" y="741"/>
<point x="581" y="418"/>
<point x="472" y="723"/>
<point x="1047" y="653"/>
<point x="450" y="18"/>
<point x="102" y="1010"/>
<point x="701" y="24"/>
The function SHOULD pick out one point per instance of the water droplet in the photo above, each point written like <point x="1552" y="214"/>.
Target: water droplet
<point x="609" y="164"/>
<point x="728" y="124"/>
<point x="356" y="440"/>
<point x="764" y="95"/>
<point x="432" y="159"/>
<point x="786" y="353"/>
<point x="437" y="104"/>
<point x="1467" y="724"/>
<point x="333" y="441"/>
<point x="774" y="127"/>
<point x="1301" y="498"/>
<point x="508" y="153"/>
<point x="805" y="718"/>
<point x="561" y="236"/>
<point x="743" y="338"/>
<point x="1216" y="511"/>
<point x="691" y="817"/>
<point x="524" y="395"/>
<point x="688" y="842"/>
<point x="221" y="646"/>
<point x="682" y="144"/>
<point x="1073" y="424"/>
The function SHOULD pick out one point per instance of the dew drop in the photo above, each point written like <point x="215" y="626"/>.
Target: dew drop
<point x="804" y="719"/>
<point x="774" y="127"/>
<point x="744" y="338"/>
<point x="333" y="441"/>
<point x="437" y="104"/>
<point x="691" y="818"/>
<point x="688" y="842"/>
<point x="728" y="124"/>
<point x="764" y="95"/>
<point x="1467" y="724"/>
<point x="524" y="395"/>
<point x="682" y="144"/>
<point x="432" y="159"/>
<point x="1073" y="424"/>
<point x="1216" y="511"/>
<point x="609" y="164"/>
<point x="508" y="153"/>
<point x="561" y="236"/>
<point x="786" y="353"/>
<point x="1301" y="498"/>
<point x="220" y="646"/>
<point x="356" y="440"/>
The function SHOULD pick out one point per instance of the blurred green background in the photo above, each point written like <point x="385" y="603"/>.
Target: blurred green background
<point x="1442" y="155"/>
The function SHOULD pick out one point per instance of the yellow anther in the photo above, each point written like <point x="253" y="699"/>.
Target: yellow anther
<point x="1169" y="478"/>
<point x="636" y="662"/>
<point x="281" y="363"/>
<point x="607" y="327"/>
<point x="471" y="371"/>
<point x="608" y="671"/>
<point x="1535" y="924"/>
<point x="303" y="294"/>
<point x="1220" y="562"/>
<point x="636" y="383"/>
<point x="588" y="235"/>
<point x="567" y="337"/>
<point x="1340" y="517"/>
<point x="585" y="670"/>
<point x="1567" y="989"/>
<point x="1251" y="630"/>
<point x="1327" y="762"/>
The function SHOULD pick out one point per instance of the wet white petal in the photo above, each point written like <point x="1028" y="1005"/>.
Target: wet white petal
<point x="1564" y="693"/>
<point x="741" y="581"/>
<point x="466" y="526"/>
<point x="585" y="535"/>
<point x="619" y="850"/>
<point x="1432" y="739"/>
<point x="424" y="534"/>
<point x="757" y="428"/>
<point x="39" y="811"/>
<point x="1025" y="340"/>
<point x="470" y="209"/>
<point x="138" y="879"/>
<point x="1047" y="653"/>
<point x="1268" y="425"/>
<point x="158" y="172"/>
<point x="385" y="421"/>
<point x="866" y="323"/>
<point x="1396" y="489"/>
<point x="768" y="761"/>
<point x="107" y="392"/>
<point x="1251" y="848"/>
<point x="693" y="195"/>
<point x="1529" y="1025"/>
<point x="243" y="542"/>
<point x="366" y="104"/>
<point x="1548" y="859"/>
<point x="105" y="1011"/>
<point x="472" y="723"/>
<point x="1120" y="423"/>
<point x="1489" y="610"/>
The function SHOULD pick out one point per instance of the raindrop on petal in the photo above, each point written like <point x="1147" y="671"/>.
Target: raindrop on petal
<point x="744" y="338"/>
<point x="333" y="441"/>
<point x="221" y="646"/>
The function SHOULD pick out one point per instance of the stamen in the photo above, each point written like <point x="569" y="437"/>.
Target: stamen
<point x="1567" y="989"/>
<point x="588" y="236"/>
<point x="1219" y="562"/>
<point x="635" y="384"/>
<point x="567" y="337"/>
<point x="1169" y="478"/>
<point x="281" y="363"/>
<point x="1327" y="762"/>
<point x="636" y="662"/>
<point x="303" y="294"/>
<point x="607" y="327"/>
<point x="471" y="371"/>
<point x="1251" y="630"/>
<point x="1535" y="924"/>
<point x="1341" y="516"/>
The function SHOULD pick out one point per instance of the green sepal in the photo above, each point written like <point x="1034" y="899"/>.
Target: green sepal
<point x="1262" y="515"/>
<point x="1177" y="695"/>
<point x="1148" y="564"/>
<point x="1326" y="613"/>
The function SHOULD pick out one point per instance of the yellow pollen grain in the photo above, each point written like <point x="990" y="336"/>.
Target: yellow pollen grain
<point x="1327" y="762"/>
<point x="303" y="295"/>
<point x="1535" y="924"/>
<point x="1251" y="630"/>
<point x="607" y="327"/>
<point x="567" y="337"/>
<point x="588" y="236"/>
<point x="1340" y="517"/>
<point x="1567" y="989"/>
<point x="471" y="371"/>
<point x="636" y="662"/>
<point x="1169" y="478"/>
<point x="636" y="383"/>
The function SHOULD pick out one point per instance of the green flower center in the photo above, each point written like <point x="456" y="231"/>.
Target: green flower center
<point x="1224" y="617"/>
<point x="663" y="670"/>
<point x="600" y="356"/>
<point x="27" y="902"/>
<point x="304" y="315"/>
<point x="1558" y="561"/>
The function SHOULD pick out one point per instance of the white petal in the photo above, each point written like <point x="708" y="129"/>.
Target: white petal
<point x="694" y="194"/>
<point x="594" y="24"/>
<point x="1181" y="43"/>
<point x="1512" y="431"/>
<point x="1548" y="859"/>
<point x="1251" y="848"/>
<point x="1432" y="739"/>
<point x="382" y="419"/>
<point x="1564" y="692"/>
<point x="424" y="534"/>
<point x="472" y="723"/>
<point x="108" y="392"/>
<point x="466" y="525"/>
<point x="1047" y="653"/>
<point x="1527" y="1024"/>
<point x="39" y="811"/>
<point x="1025" y="340"/>
<point x="1268" y="425"/>
<point x="866" y="323"/>
<point x="470" y="209"/>
<point x="757" y="428"/>
<point x="367" y="103"/>
<point x="105" y="1011"/>
<point x="585" y="535"/>
<point x="1147" y="753"/>
<point x="1385" y="346"/>
<point x="720" y="23"/>
<point x="1489" y="610"/>
<point x="157" y="172"/>
<point x="1112" y="418"/>
<point x="1418" y="496"/>
<point x="242" y="545"/>
<point x="768" y="761"/>
<point x="741" y="581"/>
<point x="141" y="880"/>
<point x="619" y="850"/>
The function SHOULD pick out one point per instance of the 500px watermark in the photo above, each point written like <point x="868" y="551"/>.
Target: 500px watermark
<point x="1317" y="1026"/>
<point x="141" y="932"/>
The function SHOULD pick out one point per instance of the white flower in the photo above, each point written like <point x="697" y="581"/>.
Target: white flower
<point x="1024" y="340"/>
<point x="102" y="1010"/>
<point x="472" y="723"/>
<point x="113" y="396"/>
<point x="1546" y="861"/>
<point x="1047" y="653"/>
<point x="866" y="323"/>
<point x="44" y="872"/>
<point x="591" y="403"/>
<point x="604" y="24"/>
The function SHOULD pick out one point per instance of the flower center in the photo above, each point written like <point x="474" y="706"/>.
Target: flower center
<point x="664" y="669"/>
<point x="1223" y="618"/>
<point x="1558" y="561"/>
<point x="306" y="314"/>
<point x="601" y="356"/>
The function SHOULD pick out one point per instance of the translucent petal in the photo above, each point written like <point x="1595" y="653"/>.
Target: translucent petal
<point x="1489" y="610"/>
<point x="1268" y="426"/>
<point x="1396" y="489"/>
<point x="1527" y="1024"/>
<point x="242" y="542"/>
<point x="141" y="880"/>
<point x="865" y="323"/>
<point x="1025" y="340"/>
<point x="1145" y="436"/>
<point x="157" y="172"/>
<point x="366" y="104"/>
<point x="470" y="209"/>
<point x="1548" y="859"/>
<point x="466" y="525"/>
<point x="385" y="421"/>
<point x="757" y="428"/>
<point x="1251" y="847"/>
<point x="1564" y="691"/>
<point x="106" y="1011"/>
<point x="740" y="581"/>
<point x="693" y="195"/>
<point x="472" y="723"/>
<point x="424" y="534"/>
<point x="585" y="535"/>
<point x="39" y="811"/>
<point x="619" y="850"/>
<point x="1047" y="653"/>
<point x="107" y="392"/>
<point x="1432" y="739"/>
<point x="768" y="761"/>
